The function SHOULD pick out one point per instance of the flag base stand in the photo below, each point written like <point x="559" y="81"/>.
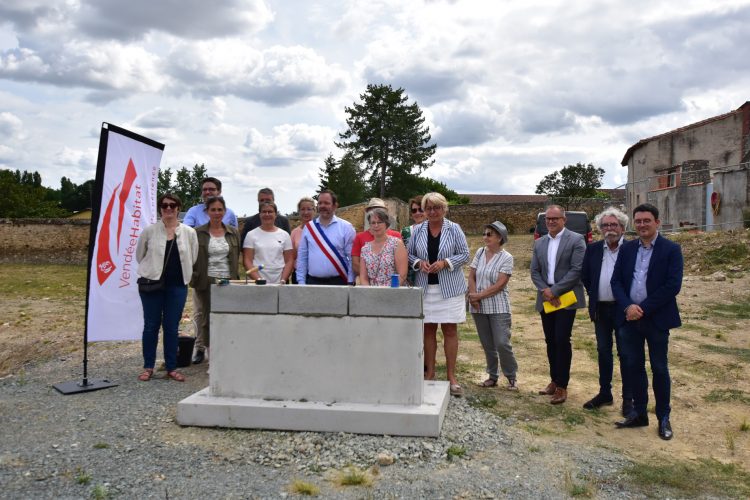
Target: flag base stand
<point x="85" y="385"/>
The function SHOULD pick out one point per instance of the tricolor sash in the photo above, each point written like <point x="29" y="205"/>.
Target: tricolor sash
<point x="339" y="263"/>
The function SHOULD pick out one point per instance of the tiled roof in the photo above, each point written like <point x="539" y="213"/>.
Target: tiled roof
<point x="525" y="198"/>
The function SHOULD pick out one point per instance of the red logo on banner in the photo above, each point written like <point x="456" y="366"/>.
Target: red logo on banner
<point x="104" y="264"/>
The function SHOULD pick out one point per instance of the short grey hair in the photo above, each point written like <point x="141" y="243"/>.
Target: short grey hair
<point x="381" y="214"/>
<point x="621" y="217"/>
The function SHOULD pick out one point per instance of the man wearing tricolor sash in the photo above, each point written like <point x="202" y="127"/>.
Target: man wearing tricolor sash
<point x="325" y="249"/>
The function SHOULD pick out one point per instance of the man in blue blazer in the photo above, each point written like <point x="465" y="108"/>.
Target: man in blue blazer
<point x="555" y="270"/>
<point x="646" y="281"/>
<point x="598" y="265"/>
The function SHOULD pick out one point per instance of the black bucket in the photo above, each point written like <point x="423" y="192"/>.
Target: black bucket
<point x="184" y="351"/>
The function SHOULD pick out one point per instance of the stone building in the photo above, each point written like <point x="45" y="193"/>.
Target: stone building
<point x="679" y="172"/>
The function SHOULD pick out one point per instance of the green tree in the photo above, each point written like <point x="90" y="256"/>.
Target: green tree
<point x="74" y="197"/>
<point x="187" y="184"/>
<point x="343" y="177"/>
<point x="387" y="137"/>
<point x="570" y="185"/>
<point x="25" y="197"/>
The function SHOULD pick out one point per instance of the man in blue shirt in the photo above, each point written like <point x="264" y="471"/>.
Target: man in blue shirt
<point x="197" y="216"/>
<point x="324" y="256"/>
<point x="645" y="283"/>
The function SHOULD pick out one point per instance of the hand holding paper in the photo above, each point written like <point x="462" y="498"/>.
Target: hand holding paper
<point x="566" y="299"/>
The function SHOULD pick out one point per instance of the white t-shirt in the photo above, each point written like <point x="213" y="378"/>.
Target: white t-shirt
<point x="269" y="249"/>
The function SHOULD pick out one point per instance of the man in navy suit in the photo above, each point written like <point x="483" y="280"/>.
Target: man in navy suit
<point x="645" y="282"/>
<point x="598" y="265"/>
<point x="555" y="270"/>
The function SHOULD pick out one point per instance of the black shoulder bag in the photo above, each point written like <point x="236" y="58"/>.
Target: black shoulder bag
<point x="146" y="285"/>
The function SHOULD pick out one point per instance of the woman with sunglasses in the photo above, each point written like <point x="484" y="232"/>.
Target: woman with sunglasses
<point x="437" y="251"/>
<point x="165" y="253"/>
<point x="490" y="304"/>
<point x="218" y="258"/>
<point x="417" y="215"/>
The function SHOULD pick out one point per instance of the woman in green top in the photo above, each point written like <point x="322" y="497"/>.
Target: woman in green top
<point x="417" y="215"/>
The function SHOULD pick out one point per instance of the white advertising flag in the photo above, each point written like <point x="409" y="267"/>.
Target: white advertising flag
<point x="124" y="204"/>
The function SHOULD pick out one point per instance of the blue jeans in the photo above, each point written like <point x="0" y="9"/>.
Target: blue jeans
<point x="604" y="327"/>
<point x="634" y="334"/>
<point x="163" y="309"/>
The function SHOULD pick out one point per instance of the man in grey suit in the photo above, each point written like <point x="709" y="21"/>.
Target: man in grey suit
<point x="556" y="265"/>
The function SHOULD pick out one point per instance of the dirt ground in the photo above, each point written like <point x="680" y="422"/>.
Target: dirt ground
<point x="41" y="317"/>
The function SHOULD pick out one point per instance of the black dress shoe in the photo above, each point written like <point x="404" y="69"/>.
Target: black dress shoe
<point x="627" y="407"/>
<point x="597" y="401"/>
<point x="199" y="357"/>
<point x="633" y="420"/>
<point x="665" y="429"/>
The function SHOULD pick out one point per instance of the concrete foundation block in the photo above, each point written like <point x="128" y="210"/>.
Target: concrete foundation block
<point x="245" y="299"/>
<point x="318" y="300"/>
<point x="203" y="410"/>
<point x="403" y="302"/>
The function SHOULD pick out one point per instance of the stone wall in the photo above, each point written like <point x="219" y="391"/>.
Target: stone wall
<point x="57" y="241"/>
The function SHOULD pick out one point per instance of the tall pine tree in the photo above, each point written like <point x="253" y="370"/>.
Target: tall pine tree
<point x="387" y="137"/>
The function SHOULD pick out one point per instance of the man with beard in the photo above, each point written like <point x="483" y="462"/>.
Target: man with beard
<point x="598" y="265"/>
<point x="325" y="249"/>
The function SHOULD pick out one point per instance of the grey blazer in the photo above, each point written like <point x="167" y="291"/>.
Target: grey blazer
<point x="568" y="266"/>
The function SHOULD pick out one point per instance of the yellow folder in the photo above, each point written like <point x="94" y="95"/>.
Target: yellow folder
<point x="566" y="299"/>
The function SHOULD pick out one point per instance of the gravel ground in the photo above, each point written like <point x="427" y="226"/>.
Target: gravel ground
<point x="124" y="442"/>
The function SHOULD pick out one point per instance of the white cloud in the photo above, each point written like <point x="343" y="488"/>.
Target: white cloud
<point x="289" y="143"/>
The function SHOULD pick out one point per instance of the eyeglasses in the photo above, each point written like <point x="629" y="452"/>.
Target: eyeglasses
<point x="416" y="210"/>
<point x="433" y="209"/>
<point x="487" y="233"/>
<point x="209" y="190"/>
<point x="610" y="225"/>
<point x="552" y="219"/>
<point x="165" y="206"/>
<point x="375" y="222"/>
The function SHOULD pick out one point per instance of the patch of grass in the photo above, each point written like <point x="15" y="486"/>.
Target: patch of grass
<point x="573" y="419"/>
<point x="577" y="488"/>
<point x="455" y="451"/>
<point x="304" y="488"/>
<point x="534" y="449"/>
<point x="101" y="446"/>
<point x="537" y="430"/>
<point x="62" y="282"/>
<point x="100" y="492"/>
<point x="739" y="352"/>
<point x="727" y="253"/>
<point x="729" y="438"/>
<point x="587" y="344"/>
<point x="701" y="478"/>
<point x="482" y="401"/>
<point x="745" y="425"/>
<point x="354" y="476"/>
<point x="732" y="310"/>
<point x="83" y="477"/>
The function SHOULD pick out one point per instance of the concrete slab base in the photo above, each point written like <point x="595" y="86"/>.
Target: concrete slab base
<point x="203" y="410"/>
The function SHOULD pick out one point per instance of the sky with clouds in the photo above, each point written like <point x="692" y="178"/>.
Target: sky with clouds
<point x="256" y="89"/>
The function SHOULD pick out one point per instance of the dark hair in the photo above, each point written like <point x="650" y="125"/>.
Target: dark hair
<point x="170" y="196"/>
<point x="417" y="199"/>
<point x="268" y="204"/>
<point x="213" y="199"/>
<point x="647" y="207"/>
<point x="266" y="191"/>
<point x="211" y="179"/>
<point x="334" y="198"/>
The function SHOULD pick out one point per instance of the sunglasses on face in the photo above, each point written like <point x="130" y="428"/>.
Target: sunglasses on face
<point x="165" y="206"/>
<point x="488" y="233"/>
<point x="416" y="210"/>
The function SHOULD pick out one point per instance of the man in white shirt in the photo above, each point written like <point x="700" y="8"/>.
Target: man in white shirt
<point x="555" y="270"/>
<point x="598" y="265"/>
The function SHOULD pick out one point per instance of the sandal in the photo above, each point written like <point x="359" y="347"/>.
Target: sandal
<point x="490" y="382"/>
<point x="512" y="385"/>
<point x="456" y="390"/>
<point x="146" y="375"/>
<point x="175" y="375"/>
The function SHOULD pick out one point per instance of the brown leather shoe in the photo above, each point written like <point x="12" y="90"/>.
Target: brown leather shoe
<point x="559" y="397"/>
<point x="549" y="390"/>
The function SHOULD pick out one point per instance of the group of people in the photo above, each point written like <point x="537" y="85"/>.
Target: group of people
<point x="632" y="286"/>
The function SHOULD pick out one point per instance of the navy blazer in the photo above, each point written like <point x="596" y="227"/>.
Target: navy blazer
<point x="591" y="272"/>
<point x="663" y="282"/>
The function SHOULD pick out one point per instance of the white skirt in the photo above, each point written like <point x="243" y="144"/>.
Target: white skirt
<point x="440" y="310"/>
